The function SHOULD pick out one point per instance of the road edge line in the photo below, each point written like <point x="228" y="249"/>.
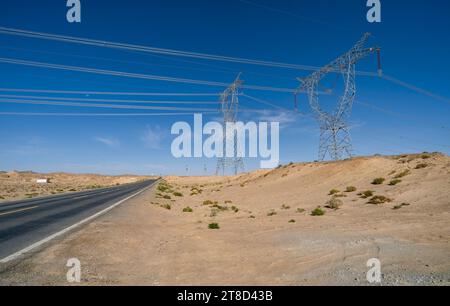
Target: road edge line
<point x="70" y="228"/>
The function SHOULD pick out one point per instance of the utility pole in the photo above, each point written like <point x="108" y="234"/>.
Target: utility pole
<point x="334" y="131"/>
<point x="229" y="101"/>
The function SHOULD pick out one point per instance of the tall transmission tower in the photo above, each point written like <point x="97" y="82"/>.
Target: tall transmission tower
<point x="229" y="101"/>
<point x="334" y="130"/>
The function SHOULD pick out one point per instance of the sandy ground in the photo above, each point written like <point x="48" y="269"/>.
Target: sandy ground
<point x="144" y="242"/>
<point x="22" y="185"/>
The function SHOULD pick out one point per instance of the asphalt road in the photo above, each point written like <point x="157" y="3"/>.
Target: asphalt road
<point x="23" y="223"/>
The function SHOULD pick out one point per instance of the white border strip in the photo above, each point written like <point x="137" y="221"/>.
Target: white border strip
<point x="68" y="229"/>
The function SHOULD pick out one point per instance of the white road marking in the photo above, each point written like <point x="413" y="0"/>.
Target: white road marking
<point x="68" y="229"/>
<point x="17" y="210"/>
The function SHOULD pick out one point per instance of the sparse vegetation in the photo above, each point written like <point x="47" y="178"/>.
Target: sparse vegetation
<point x="395" y="182"/>
<point x="400" y="206"/>
<point x="318" y="212"/>
<point x="425" y="156"/>
<point x="292" y="221"/>
<point x="228" y="202"/>
<point x="235" y="209"/>
<point x="167" y="197"/>
<point x="214" y="226"/>
<point x="286" y="207"/>
<point x="271" y="213"/>
<point x="402" y="174"/>
<point x="378" y="200"/>
<point x="334" y="203"/>
<point x="208" y="202"/>
<point x="214" y="212"/>
<point x="252" y="217"/>
<point x="188" y="210"/>
<point x="300" y="210"/>
<point x="378" y="181"/>
<point x="333" y="192"/>
<point x="422" y="166"/>
<point x="350" y="189"/>
<point x="166" y="206"/>
<point x="177" y="194"/>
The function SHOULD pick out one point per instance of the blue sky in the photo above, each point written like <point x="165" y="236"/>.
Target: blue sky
<point x="413" y="36"/>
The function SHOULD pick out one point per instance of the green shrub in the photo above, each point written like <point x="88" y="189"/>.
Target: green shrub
<point x="188" y="210"/>
<point x="350" y="189"/>
<point x="214" y="226"/>
<point x="377" y="200"/>
<point x="378" y="181"/>
<point x="395" y="182"/>
<point x="333" y="191"/>
<point x="366" y="194"/>
<point x="318" y="212"/>
<point x="178" y="194"/>
<point x="402" y="174"/>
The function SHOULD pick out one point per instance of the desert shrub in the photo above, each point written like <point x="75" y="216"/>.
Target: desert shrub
<point x="214" y="226"/>
<point x="292" y="221"/>
<point x="300" y="210"/>
<point x="284" y="206"/>
<point x="400" y="206"/>
<point x="421" y="166"/>
<point x="333" y="192"/>
<point x="318" y="212"/>
<point x="395" y="182"/>
<point x="334" y="203"/>
<point x="228" y="202"/>
<point x="166" y="206"/>
<point x="402" y="174"/>
<point x="208" y="202"/>
<point x="252" y="217"/>
<point x="366" y="194"/>
<point x="425" y="156"/>
<point x="177" y="194"/>
<point x="167" y="197"/>
<point x="378" y="181"/>
<point x="235" y="209"/>
<point x="271" y="213"/>
<point x="377" y="200"/>
<point x="350" y="189"/>
<point x="188" y="210"/>
<point x="340" y="195"/>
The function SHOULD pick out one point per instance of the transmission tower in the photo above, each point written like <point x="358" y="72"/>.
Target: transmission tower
<point x="334" y="131"/>
<point x="229" y="101"/>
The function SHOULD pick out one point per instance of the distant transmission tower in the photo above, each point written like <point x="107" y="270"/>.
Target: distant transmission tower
<point x="229" y="101"/>
<point x="334" y="131"/>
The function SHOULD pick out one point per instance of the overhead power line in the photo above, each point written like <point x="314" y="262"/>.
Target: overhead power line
<point x="109" y="100"/>
<point x="131" y="47"/>
<point x="109" y="93"/>
<point x="136" y="75"/>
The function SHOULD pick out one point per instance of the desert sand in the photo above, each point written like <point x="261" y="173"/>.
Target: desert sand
<point x="22" y="185"/>
<point x="267" y="234"/>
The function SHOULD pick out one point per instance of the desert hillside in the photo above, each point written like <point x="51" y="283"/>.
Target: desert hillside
<point x="300" y="224"/>
<point x="23" y="185"/>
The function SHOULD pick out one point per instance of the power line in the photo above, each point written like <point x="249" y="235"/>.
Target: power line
<point x="109" y="93"/>
<point x="136" y="75"/>
<point x="109" y="100"/>
<point x="95" y="114"/>
<point x="204" y="56"/>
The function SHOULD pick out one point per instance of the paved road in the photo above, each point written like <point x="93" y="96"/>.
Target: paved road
<point x="24" y="223"/>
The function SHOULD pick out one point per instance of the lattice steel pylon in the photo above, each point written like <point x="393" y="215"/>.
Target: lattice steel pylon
<point x="229" y="101"/>
<point x="334" y="131"/>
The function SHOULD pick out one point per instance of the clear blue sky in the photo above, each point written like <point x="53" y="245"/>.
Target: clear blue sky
<point x="415" y="49"/>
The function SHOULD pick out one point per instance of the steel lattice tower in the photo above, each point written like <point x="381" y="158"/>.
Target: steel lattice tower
<point x="334" y="131"/>
<point x="229" y="101"/>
